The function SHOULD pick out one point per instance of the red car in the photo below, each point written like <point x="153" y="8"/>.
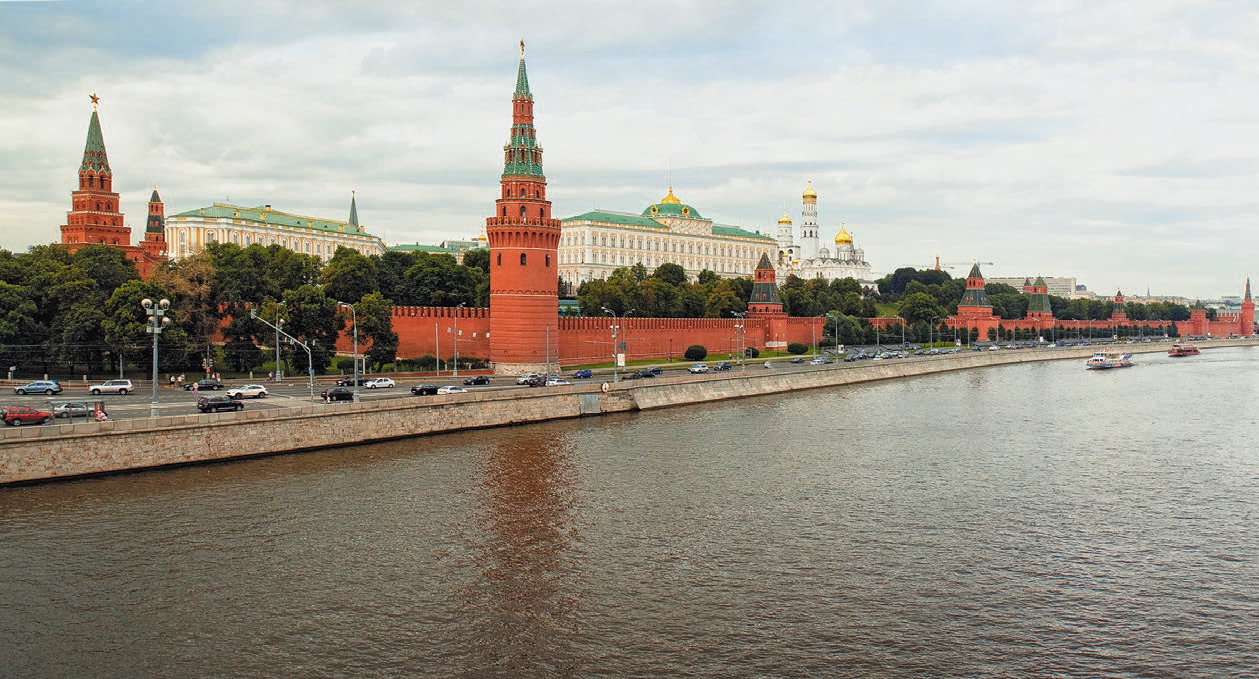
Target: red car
<point x="20" y="415"/>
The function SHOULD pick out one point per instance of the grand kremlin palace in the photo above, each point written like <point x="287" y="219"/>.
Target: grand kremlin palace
<point x="594" y="244"/>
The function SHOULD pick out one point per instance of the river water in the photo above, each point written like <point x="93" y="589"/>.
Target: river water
<point x="1019" y="521"/>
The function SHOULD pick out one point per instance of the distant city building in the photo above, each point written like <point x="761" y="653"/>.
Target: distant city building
<point x="594" y="244"/>
<point x="454" y="248"/>
<point x="1056" y="286"/>
<point x="95" y="217"/>
<point x="189" y="232"/>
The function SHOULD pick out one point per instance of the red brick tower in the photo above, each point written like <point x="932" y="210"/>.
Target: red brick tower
<point x="154" y="243"/>
<point x="94" y="215"/>
<point x="524" y="250"/>
<point x="764" y="301"/>
<point x="1247" y="320"/>
<point x="1038" y="307"/>
<point x="1119" y="314"/>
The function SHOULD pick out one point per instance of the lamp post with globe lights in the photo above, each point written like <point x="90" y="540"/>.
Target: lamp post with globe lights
<point x="354" y="320"/>
<point x="157" y="321"/>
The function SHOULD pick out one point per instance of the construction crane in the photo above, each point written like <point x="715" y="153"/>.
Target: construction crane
<point x="954" y="265"/>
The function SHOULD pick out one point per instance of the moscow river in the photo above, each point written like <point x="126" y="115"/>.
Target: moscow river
<point x="1034" y="520"/>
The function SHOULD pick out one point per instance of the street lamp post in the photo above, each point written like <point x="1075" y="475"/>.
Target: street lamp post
<point x="156" y="322"/>
<point x="614" y="327"/>
<point x="278" y="322"/>
<point x="931" y="332"/>
<point x="455" y="374"/>
<point x="310" y="363"/>
<point x="740" y="331"/>
<point x="354" y="319"/>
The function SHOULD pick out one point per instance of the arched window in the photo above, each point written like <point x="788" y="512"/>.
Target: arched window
<point x="548" y="261"/>
<point x="500" y="259"/>
<point x="522" y="211"/>
<point x="522" y="193"/>
<point x="522" y="259"/>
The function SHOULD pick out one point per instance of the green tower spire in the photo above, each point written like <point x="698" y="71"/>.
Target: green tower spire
<point x="94" y="158"/>
<point x="522" y="80"/>
<point x="353" y="209"/>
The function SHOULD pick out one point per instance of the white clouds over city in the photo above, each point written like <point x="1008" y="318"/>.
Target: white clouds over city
<point x="1111" y="141"/>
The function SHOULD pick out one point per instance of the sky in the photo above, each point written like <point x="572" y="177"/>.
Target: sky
<point x="1113" y="142"/>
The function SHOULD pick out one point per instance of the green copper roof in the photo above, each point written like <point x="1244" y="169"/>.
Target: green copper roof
<point x="265" y="215"/>
<point x="627" y="219"/>
<point x="155" y="198"/>
<point x="671" y="209"/>
<point x="353" y="211"/>
<point x="621" y="218"/>
<point x="522" y="80"/>
<point x="736" y="232"/>
<point x="94" y="158"/>
<point x="1040" y="281"/>
<point x="434" y="249"/>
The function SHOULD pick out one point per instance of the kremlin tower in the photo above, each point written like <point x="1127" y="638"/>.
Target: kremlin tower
<point x="94" y="217"/>
<point x="1119" y="314"/>
<point x="524" y="250"/>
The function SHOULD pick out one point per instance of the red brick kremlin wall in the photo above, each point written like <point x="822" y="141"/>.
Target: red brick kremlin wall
<point x="429" y="331"/>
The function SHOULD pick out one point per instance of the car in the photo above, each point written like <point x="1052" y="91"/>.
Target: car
<point x="17" y="416"/>
<point x="637" y="374"/>
<point x="73" y="410"/>
<point x="478" y="379"/>
<point x="379" y="383"/>
<point x="250" y="390"/>
<point x="424" y="389"/>
<point x="723" y="366"/>
<point x="655" y="370"/>
<point x="49" y="387"/>
<point x="820" y="360"/>
<point x="451" y="389"/>
<point x="583" y="374"/>
<point x="337" y="394"/>
<point x="207" y="404"/>
<point x="527" y="379"/>
<point x="537" y="381"/>
<point x="204" y="385"/>
<point x="349" y="381"/>
<point x="798" y="359"/>
<point x="698" y="368"/>
<point x="557" y="382"/>
<point x="120" y="387"/>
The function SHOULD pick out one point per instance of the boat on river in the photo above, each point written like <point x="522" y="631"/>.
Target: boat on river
<point x="1179" y="350"/>
<point x="1105" y="360"/>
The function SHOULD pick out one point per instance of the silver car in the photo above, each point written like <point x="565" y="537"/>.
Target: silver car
<point x="120" y="387"/>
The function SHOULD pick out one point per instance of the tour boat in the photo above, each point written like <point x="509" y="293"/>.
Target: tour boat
<point x="1104" y="360"/>
<point x="1179" y="349"/>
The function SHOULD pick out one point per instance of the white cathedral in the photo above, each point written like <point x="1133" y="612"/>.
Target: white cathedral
<point x="806" y="260"/>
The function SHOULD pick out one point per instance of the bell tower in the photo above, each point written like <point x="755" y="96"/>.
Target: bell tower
<point x="524" y="250"/>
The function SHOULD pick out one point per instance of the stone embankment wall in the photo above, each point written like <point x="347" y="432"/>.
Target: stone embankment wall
<point x="67" y="450"/>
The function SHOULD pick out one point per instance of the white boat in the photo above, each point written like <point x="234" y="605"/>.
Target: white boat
<point x="1105" y="360"/>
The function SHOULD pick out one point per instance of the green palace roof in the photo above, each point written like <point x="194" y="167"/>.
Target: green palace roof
<point x="267" y="215"/>
<point x="642" y="221"/>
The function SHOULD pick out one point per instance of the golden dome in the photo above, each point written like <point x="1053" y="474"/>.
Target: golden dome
<point x="842" y="238"/>
<point x="670" y="199"/>
<point x="784" y="219"/>
<point x="809" y="192"/>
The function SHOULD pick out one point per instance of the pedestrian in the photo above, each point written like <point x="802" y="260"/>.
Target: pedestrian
<point x="195" y="391"/>
<point x="172" y="381"/>
<point x="271" y="376"/>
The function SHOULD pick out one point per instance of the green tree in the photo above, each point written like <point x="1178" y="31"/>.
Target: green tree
<point x="919" y="307"/>
<point x="375" y="327"/>
<point x="670" y="273"/>
<point x="349" y="275"/>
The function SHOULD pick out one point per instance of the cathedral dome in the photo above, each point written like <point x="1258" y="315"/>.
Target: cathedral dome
<point x="670" y="206"/>
<point x="809" y="192"/>
<point x="784" y="219"/>
<point x="842" y="238"/>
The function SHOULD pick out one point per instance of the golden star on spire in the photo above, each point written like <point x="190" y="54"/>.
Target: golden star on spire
<point x="95" y="100"/>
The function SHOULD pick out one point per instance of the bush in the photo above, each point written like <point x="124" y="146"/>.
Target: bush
<point x="751" y="352"/>
<point x="695" y="352"/>
<point x="797" y="348"/>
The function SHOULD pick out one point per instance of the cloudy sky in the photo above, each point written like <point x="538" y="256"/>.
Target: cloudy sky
<point x="1116" y="142"/>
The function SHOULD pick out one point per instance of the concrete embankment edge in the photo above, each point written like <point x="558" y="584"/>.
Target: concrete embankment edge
<point x="59" y="451"/>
